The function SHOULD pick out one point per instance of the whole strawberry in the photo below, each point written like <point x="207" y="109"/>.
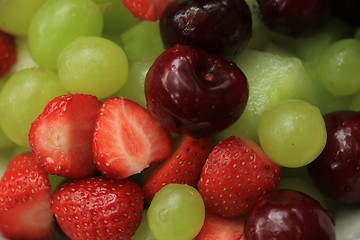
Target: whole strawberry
<point x="98" y="208"/>
<point x="8" y="53"/>
<point x="25" y="196"/>
<point x="184" y="166"/>
<point x="236" y="173"/>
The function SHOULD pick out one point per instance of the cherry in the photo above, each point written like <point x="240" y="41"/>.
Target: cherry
<point x="288" y="214"/>
<point x="337" y="170"/>
<point x="293" y="17"/>
<point x="222" y="27"/>
<point x="193" y="92"/>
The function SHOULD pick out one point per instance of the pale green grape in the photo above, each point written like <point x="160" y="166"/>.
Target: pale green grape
<point x="59" y="22"/>
<point x="134" y="86"/>
<point x="142" y="41"/>
<point x="15" y="15"/>
<point x="143" y="232"/>
<point x="292" y="133"/>
<point x="338" y="69"/>
<point x="177" y="212"/>
<point x="93" y="65"/>
<point x="23" y="98"/>
<point x="117" y="17"/>
<point x="271" y="78"/>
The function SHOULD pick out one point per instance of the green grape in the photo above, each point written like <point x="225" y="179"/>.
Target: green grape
<point x="271" y="78"/>
<point x="177" y="212"/>
<point x="142" y="41"/>
<point x="338" y="69"/>
<point x="93" y="65"/>
<point x="117" y="17"/>
<point x="134" y="86"/>
<point x="292" y="133"/>
<point x="23" y="98"/>
<point x="15" y="15"/>
<point x="59" y="22"/>
<point x="355" y="102"/>
<point x="143" y="232"/>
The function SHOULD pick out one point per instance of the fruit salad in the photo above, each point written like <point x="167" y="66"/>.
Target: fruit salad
<point x="179" y="119"/>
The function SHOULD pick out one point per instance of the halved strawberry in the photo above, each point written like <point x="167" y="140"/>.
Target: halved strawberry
<point x="25" y="197"/>
<point x="184" y="166"/>
<point x="8" y="53"/>
<point x="219" y="228"/>
<point x="150" y="10"/>
<point x="236" y="173"/>
<point x="127" y="139"/>
<point x="61" y="136"/>
<point x="98" y="208"/>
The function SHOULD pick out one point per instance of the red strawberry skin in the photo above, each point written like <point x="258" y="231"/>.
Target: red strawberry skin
<point x="98" y="208"/>
<point x="219" y="228"/>
<point x="149" y="10"/>
<point x="183" y="167"/>
<point x="236" y="173"/>
<point x="25" y="197"/>
<point x="8" y="53"/>
<point x="61" y="136"/>
<point x="127" y="139"/>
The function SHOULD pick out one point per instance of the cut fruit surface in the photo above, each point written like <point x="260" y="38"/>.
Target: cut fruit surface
<point x="127" y="139"/>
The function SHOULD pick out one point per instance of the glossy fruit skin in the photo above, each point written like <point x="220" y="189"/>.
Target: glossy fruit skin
<point x="295" y="18"/>
<point x="219" y="27"/>
<point x="98" y="208"/>
<point x="337" y="170"/>
<point x="184" y="166"/>
<point x="236" y="173"/>
<point x="287" y="214"/>
<point x="195" y="93"/>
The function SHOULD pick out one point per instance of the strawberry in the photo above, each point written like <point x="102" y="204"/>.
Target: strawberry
<point x="219" y="228"/>
<point x="127" y="139"/>
<point x="98" y="208"/>
<point x="150" y="10"/>
<point x="62" y="134"/>
<point x="184" y="166"/>
<point x="25" y="197"/>
<point x="236" y="173"/>
<point x="8" y="53"/>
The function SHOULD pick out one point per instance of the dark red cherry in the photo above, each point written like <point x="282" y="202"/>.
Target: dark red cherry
<point x="287" y="214"/>
<point x="337" y="170"/>
<point x="193" y="92"/>
<point x="295" y="17"/>
<point x="221" y="27"/>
